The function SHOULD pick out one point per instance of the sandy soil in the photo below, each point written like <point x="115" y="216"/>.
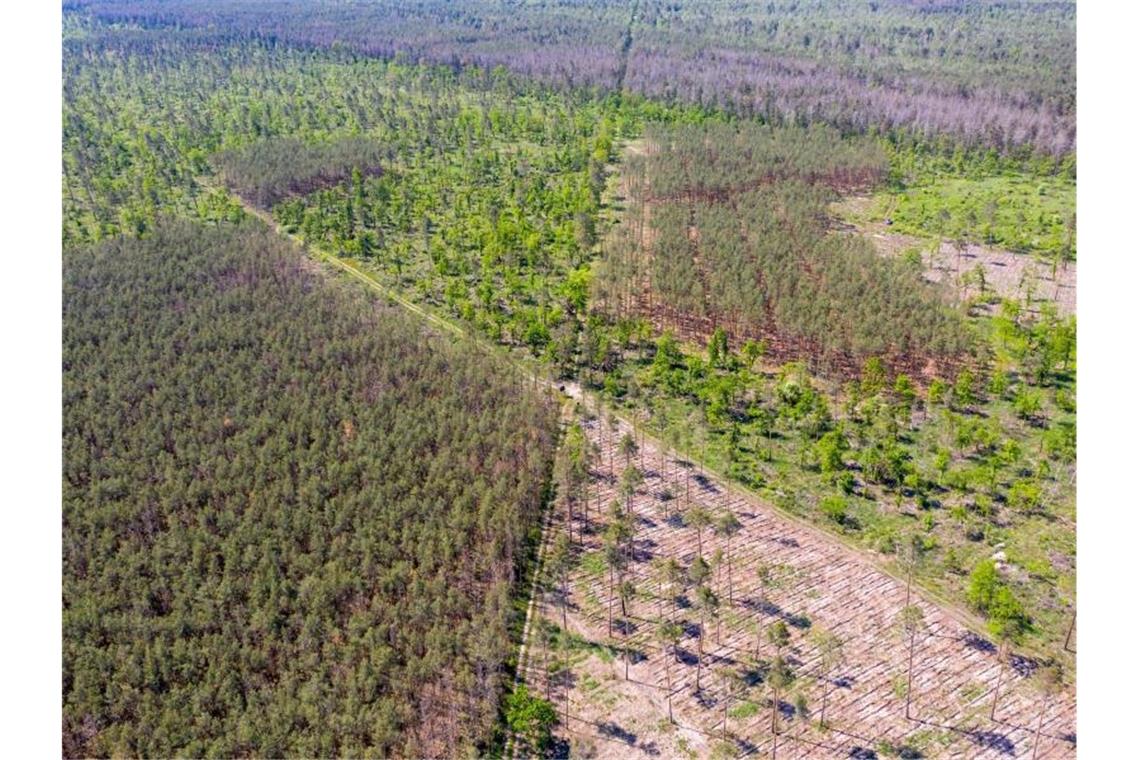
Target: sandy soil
<point x="831" y="587"/>
<point x="1008" y="274"/>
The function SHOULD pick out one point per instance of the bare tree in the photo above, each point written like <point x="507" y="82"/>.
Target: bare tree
<point x="910" y="622"/>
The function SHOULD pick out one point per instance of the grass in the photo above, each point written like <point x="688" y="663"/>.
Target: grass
<point x="1019" y="213"/>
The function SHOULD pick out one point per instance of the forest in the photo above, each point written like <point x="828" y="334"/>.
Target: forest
<point x="292" y="520"/>
<point x="988" y="73"/>
<point x="301" y="522"/>
<point x="737" y="241"/>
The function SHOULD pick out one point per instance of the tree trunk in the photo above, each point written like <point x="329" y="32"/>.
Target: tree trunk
<point x="728" y="559"/>
<point x="565" y="600"/>
<point x="700" y="654"/>
<point x="1069" y="635"/>
<point x="909" y="673"/>
<point x="1037" y="734"/>
<point x="997" y="689"/>
<point x="610" y="607"/>
<point x="775" y="708"/>
<point x="823" y="707"/>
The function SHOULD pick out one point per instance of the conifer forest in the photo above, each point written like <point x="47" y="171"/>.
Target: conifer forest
<point x="682" y="378"/>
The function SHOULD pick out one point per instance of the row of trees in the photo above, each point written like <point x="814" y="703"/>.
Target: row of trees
<point x="292" y="522"/>
<point x="714" y="160"/>
<point x="759" y="262"/>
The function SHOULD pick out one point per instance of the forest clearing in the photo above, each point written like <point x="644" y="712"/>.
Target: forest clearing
<point x="618" y="668"/>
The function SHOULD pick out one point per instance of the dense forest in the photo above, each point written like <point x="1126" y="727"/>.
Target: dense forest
<point x="292" y="520"/>
<point x="271" y="170"/>
<point x="993" y="73"/>
<point x="737" y="240"/>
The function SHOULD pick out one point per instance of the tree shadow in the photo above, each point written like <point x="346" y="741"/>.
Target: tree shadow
<point x="992" y="740"/>
<point x="843" y="682"/>
<point x="1023" y="666"/>
<point x="650" y="748"/>
<point x="705" y="484"/>
<point x="976" y="642"/>
<point x="686" y="657"/>
<point x="611" y="730"/>
<point x="559" y="749"/>
<point x="801" y="621"/>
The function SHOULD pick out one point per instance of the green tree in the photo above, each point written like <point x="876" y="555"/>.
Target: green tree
<point x="779" y="679"/>
<point x="530" y="718"/>
<point x="1048" y="680"/>
<point x="698" y="518"/>
<point x="728" y="526"/>
<point x="708" y="605"/>
<point x="560" y="561"/>
<point x="831" y="655"/>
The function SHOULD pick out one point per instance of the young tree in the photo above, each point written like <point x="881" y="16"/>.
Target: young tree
<point x="626" y="591"/>
<point x="779" y="636"/>
<point x="771" y="577"/>
<point x="1007" y="623"/>
<point x="707" y="604"/>
<point x="669" y="634"/>
<point x="910" y="622"/>
<point x="910" y="552"/>
<point x="699" y="571"/>
<point x="560" y="561"/>
<point x="628" y="448"/>
<point x="831" y="656"/>
<point x="631" y="480"/>
<point x="779" y="679"/>
<point x="726" y="527"/>
<point x="530" y="718"/>
<point x="698" y="517"/>
<point x="615" y="562"/>
<point x="732" y="685"/>
<point x="669" y="574"/>
<point x="1048" y="680"/>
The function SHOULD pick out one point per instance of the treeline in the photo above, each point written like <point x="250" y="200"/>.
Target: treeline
<point x="994" y="74"/>
<point x="269" y="171"/>
<point x="292" y="521"/>
<point x="757" y="259"/>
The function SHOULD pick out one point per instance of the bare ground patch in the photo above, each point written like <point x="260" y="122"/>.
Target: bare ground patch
<point x="829" y="587"/>
<point x="1022" y="277"/>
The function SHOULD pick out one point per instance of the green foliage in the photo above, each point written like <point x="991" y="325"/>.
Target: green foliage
<point x="286" y="517"/>
<point x="834" y="508"/>
<point x="1020" y="213"/>
<point x="736" y="212"/>
<point x="531" y="718"/>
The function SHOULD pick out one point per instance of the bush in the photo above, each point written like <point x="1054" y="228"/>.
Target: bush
<point x="835" y="508"/>
<point x="531" y="718"/>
